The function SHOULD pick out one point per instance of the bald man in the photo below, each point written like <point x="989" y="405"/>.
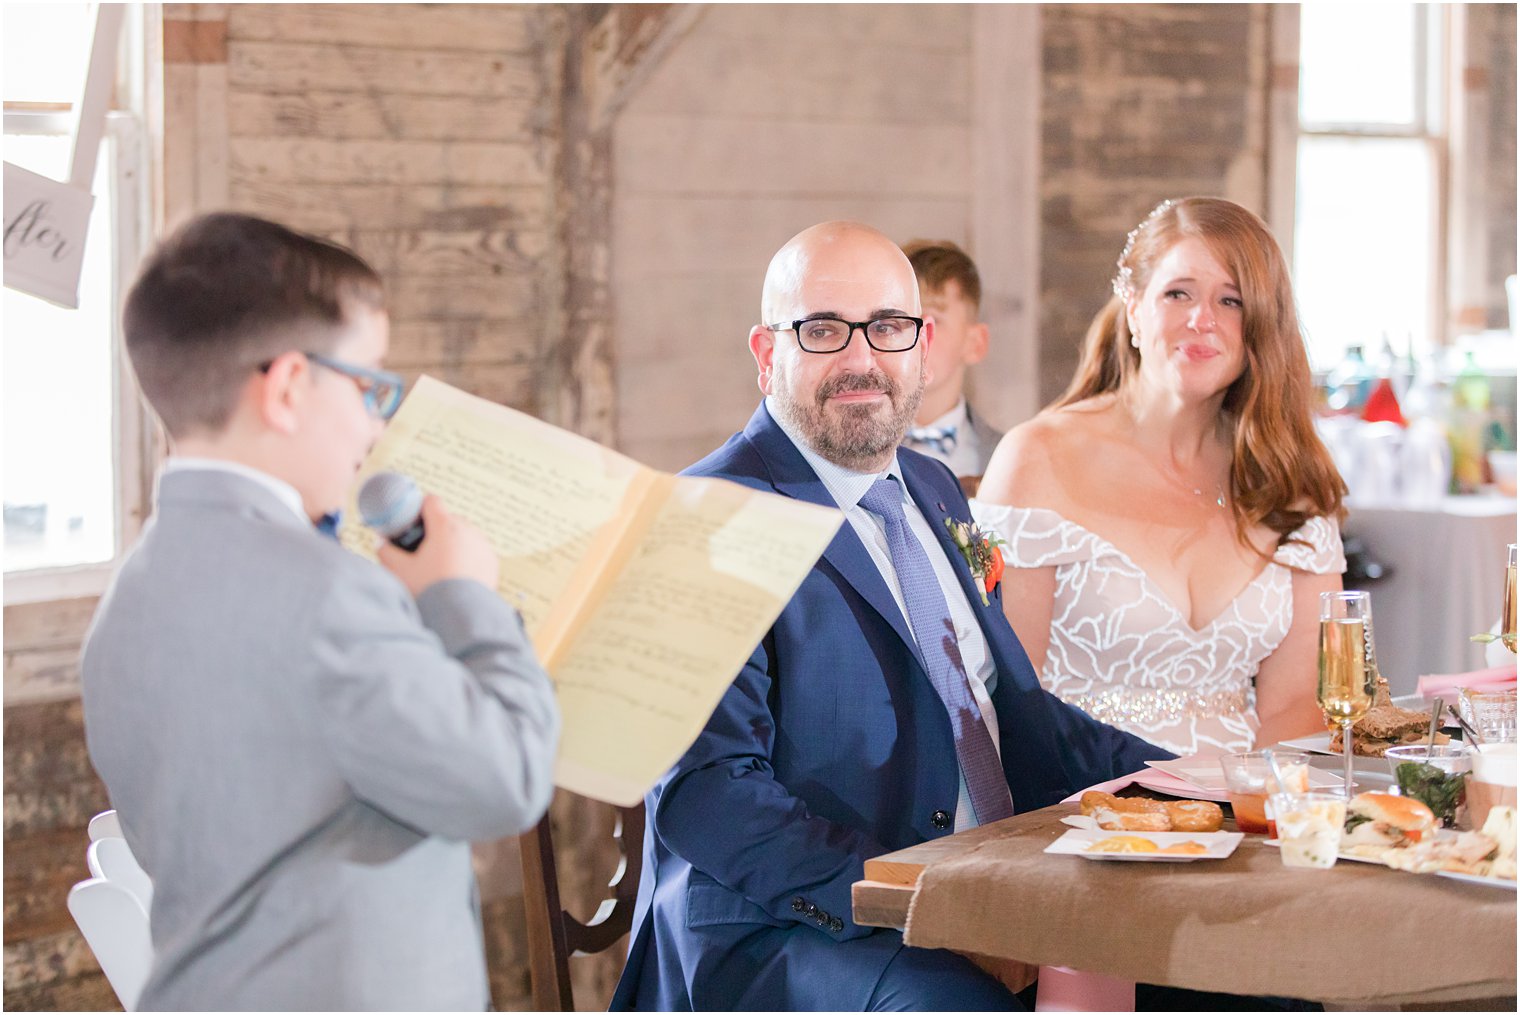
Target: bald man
<point x="887" y="706"/>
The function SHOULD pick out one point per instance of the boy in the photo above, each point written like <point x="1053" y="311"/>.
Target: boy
<point x="299" y="744"/>
<point x="946" y="428"/>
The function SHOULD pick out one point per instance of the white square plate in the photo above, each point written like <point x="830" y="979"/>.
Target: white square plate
<point x="1474" y="879"/>
<point x="1076" y="841"/>
<point x="1206" y="774"/>
<point x="1317" y="744"/>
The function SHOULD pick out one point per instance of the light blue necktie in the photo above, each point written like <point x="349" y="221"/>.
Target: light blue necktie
<point x="941" y="654"/>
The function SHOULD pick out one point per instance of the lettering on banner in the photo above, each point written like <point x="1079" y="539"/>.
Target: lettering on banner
<point x="45" y="227"/>
<point x="30" y="228"/>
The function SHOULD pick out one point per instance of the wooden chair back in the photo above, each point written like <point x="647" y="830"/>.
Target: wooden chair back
<point x="554" y="934"/>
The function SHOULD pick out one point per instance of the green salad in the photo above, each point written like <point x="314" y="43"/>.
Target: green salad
<point x="1442" y="792"/>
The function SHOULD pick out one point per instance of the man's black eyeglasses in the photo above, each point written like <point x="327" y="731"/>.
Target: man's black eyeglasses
<point x="831" y="334"/>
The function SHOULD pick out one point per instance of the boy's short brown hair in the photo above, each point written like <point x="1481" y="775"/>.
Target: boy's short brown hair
<point x="936" y="262"/>
<point x="226" y="293"/>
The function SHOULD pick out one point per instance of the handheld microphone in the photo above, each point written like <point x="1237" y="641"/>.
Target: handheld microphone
<point x="391" y="504"/>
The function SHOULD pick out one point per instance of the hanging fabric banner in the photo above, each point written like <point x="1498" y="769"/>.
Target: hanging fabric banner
<point x="45" y="226"/>
<point x="46" y="221"/>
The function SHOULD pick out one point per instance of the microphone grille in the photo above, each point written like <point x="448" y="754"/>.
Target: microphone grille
<point x="389" y="503"/>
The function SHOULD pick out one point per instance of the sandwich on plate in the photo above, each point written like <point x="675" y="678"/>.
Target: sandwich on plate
<point x="1379" y="822"/>
<point x="1387" y="725"/>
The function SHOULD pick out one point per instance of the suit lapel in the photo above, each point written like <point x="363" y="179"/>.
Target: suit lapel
<point x="937" y="509"/>
<point x="1001" y="641"/>
<point x="792" y="476"/>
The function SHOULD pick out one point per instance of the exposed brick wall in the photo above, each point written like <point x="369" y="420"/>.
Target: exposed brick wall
<point x="428" y="138"/>
<point x="50" y="793"/>
<point x="1500" y="59"/>
<point x="1141" y="102"/>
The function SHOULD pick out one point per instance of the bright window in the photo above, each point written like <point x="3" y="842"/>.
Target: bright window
<point x="71" y="429"/>
<point x="1366" y="233"/>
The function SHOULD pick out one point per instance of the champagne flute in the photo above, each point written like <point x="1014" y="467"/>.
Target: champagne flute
<point x="1347" y="675"/>
<point x="1507" y="618"/>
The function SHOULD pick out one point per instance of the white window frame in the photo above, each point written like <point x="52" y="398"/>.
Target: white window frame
<point x="1445" y="127"/>
<point x="126" y="148"/>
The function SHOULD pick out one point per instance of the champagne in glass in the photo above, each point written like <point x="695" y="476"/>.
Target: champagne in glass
<point x="1344" y="691"/>
<point x="1507" y="618"/>
<point x="1347" y="675"/>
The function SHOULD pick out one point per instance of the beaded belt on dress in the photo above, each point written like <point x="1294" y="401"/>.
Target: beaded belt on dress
<point x="1145" y="705"/>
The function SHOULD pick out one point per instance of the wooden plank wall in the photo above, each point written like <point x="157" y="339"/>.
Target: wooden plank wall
<point x="1141" y="102"/>
<point x="754" y="127"/>
<point x="573" y="208"/>
<point x="421" y="136"/>
<point x="427" y="137"/>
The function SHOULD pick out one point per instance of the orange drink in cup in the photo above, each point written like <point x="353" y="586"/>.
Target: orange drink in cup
<point x="1248" y="781"/>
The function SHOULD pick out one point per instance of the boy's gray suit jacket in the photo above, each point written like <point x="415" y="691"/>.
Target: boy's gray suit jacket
<point x="300" y="754"/>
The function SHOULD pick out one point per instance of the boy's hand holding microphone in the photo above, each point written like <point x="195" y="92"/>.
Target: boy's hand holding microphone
<point x="424" y="543"/>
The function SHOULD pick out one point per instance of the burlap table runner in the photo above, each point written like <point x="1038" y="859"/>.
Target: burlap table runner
<point x="1244" y="925"/>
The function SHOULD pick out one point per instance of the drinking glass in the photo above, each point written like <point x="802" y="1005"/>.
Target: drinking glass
<point x="1492" y="783"/>
<point x="1492" y="713"/>
<point x="1435" y="775"/>
<point x="1507" y="619"/>
<point x="1248" y="782"/>
<point x="1309" y="828"/>
<point x="1347" y="676"/>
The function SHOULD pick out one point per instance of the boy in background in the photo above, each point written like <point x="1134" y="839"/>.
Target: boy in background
<point x="300" y="744"/>
<point x="946" y="428"/>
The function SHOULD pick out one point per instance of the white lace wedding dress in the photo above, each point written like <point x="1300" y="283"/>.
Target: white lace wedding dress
<point x="1122" y="652"/>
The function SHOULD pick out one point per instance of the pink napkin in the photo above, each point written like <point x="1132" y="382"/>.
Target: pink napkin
<point x="1151" y="778"/>
<point x="1496" y="679"/>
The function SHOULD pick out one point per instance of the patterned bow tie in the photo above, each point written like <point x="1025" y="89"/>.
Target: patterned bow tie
<point x="328" y="524"/>
<point x="939" y="438"/>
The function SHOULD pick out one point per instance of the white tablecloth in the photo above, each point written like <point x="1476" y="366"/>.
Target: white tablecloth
<point x="1447" y="582"/>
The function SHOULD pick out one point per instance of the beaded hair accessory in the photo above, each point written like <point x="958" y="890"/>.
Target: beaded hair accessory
<point x="1123" y="278"/>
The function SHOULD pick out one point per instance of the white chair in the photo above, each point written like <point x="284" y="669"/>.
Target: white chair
<point x="105" y="825"/>
<point x="115" y="926"/>
<point x="111" y="858"/>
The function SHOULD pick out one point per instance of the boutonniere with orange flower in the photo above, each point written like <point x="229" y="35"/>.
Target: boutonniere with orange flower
<point x="981" y="552"/>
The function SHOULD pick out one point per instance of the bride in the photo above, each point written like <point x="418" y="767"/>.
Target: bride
<point x="1172" y="519"/>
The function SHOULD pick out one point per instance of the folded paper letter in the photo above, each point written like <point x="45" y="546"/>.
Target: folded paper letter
<point x="644" y="593"/>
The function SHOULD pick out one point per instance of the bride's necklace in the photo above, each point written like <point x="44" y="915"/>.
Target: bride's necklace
<point x="1219" y="499"/>
<point x="1172" y="472"/>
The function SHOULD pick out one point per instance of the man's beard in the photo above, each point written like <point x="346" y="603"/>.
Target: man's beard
<point x="854" y="435"/>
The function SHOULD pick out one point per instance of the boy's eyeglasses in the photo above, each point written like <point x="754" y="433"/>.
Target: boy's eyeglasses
<point x="381" y="389"/>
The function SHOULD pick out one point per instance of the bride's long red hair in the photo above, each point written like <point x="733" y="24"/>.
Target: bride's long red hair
<point x="1281" y="475"/>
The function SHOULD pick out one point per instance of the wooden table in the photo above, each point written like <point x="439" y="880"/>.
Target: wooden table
<point x="1065" y="910"/>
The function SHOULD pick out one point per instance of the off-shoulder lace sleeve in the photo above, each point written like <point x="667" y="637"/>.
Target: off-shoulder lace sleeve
<point x="1035" y="537"/>
<point x="1314" y="546"/>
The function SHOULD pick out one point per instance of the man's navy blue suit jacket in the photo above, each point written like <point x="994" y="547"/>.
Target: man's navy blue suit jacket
<point x="830" y="747"/>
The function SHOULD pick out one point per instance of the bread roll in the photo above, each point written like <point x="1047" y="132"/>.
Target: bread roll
<point x="1195" y="816"/>
<point x="1133" y="821"/>
<point x="1093" y="800"/>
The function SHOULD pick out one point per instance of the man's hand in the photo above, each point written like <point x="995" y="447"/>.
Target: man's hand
<point x="451" y="548"/>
